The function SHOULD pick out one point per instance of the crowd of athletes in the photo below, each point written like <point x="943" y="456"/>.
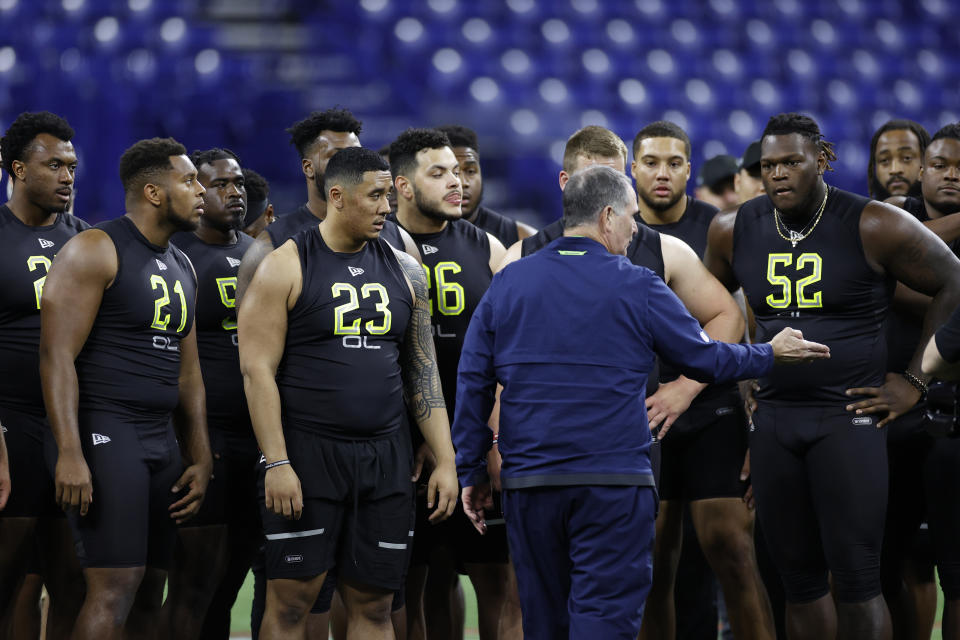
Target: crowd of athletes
<point x="176" y="413"/>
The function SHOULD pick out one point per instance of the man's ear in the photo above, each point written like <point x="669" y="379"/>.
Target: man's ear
<point x="335" y="196"/>
<point x="306" y="165"/>
<point x="404" y="187"/>
<point x="153" y="193"/>
<point x="563" y="179"/>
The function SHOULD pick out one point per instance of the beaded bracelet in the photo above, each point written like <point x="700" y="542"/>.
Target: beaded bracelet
<point x="916" y="382"/>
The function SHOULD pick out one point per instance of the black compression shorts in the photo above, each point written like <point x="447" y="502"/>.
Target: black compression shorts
<point x="820" y="481"/>
<point x="942" y="479"/>
<point x="133" y="467"/>
<point x="33" y="493"/>
<point x="231" y="496"/>
<point x="458" y="535"/>
<point x="705" y="462"/>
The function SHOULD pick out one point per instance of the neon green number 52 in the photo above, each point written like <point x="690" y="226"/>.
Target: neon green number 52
<point x="777" y="262"/>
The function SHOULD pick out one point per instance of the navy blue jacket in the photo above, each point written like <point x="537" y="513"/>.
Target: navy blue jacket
<point x="571" y="332"/>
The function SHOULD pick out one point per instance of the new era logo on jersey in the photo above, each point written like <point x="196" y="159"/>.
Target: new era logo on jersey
<point x="428" y="249"/>
<point x="162" y="266"/>
<point x="100" y="439"/>
<point x="233" y="262"/>
<point x="355" y="271"/>
<point x="46" y="244"/>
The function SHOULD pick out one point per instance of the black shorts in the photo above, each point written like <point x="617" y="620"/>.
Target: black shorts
<point x="942" y="478"/>
<point x="33" y="494"/>
<point x="458" y="535"/>
<point x="820" y="479"/>
<point x="133" y="466"/>
<point x="231" y="496"/>
<point x="358" y="510"/>
<point x="702" y="454"/>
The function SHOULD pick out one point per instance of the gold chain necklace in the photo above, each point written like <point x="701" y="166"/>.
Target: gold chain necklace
<point x="793" y="237"/>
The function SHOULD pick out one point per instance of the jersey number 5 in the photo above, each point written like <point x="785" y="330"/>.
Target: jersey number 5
<point x="228" y="296"/>
<point x="784" y="299"/>
<point x="161" y="319"/>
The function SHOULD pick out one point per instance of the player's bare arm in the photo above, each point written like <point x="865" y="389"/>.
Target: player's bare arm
<point x="497" y="253"/>
<point x="896" y="242"/>
<point x="936" y="366"/>
<point x="421" y="383"/>
<point x="81" y="272"/>
<point x="514" y="253"/>
<point x="708" y="301"/>
<point x="262" y="247"/>
<point x="719" y="255"/>
<point x="947" y="228"/>
<point x="190" y="423"/>
<point x="261" y="334"/>
<point x="524" y="230"/>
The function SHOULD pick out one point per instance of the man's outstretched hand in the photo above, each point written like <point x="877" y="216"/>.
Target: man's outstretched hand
<point x="789" y="347"/>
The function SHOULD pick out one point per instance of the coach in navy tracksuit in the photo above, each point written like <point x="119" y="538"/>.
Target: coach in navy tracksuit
<point x="571" y="333"/>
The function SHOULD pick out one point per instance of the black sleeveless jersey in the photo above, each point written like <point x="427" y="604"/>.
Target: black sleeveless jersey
<point x="26" y="254"/>
<point x="823" y="287"/>
<point x="457" y="263"/>
<point x="532" y="244"/>
<point x="340" y="372"/>
<point x="130" y="363"/>
<point x="499" y="226"/>
<point x="293" y="223"/>
<point x="644" y="249"/>
<point x="692" y="226"/>
<point x="216" y="267"/>
<point x="692" y="229"/>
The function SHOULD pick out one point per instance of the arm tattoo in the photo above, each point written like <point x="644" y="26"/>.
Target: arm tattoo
<point x="418" y="359"/>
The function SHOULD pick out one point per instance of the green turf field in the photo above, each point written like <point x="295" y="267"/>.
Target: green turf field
<point x="240" y="618"/>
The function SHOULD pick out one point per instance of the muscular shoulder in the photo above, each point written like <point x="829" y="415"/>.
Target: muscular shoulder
<point x="514" y="253"/>
<point x="90" y="254"/>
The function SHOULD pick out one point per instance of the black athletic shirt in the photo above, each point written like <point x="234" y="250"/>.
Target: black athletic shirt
<point x="216" y="267"/>
<point x="457" y="262"/>
<point x="532" y="244"/>
<point x="340" y="372"/>
<point x="644" y="249"/>
<point x="289" y="225"/>
<point x="823" y="287"/>
<point x="499" y="226"/>
<point x="692" y="229"/>
<point x="25" y="256"/>
<point x="130" y="364"/>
